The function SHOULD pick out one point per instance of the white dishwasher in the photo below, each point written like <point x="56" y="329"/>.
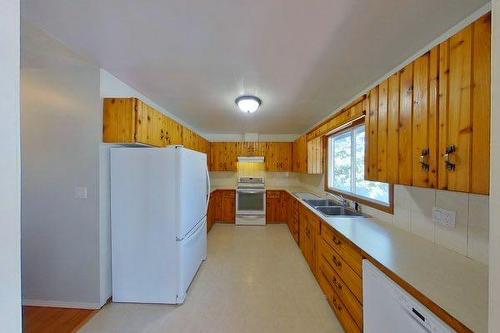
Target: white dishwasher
<point x="389" y="308"/>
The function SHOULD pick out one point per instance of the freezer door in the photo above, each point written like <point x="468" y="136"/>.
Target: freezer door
<point x="192" y="251"/>
<point x="192" y="189"/>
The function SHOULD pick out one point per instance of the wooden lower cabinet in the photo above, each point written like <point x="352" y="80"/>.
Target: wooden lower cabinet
<point x="228" y="206"/>
<point x="338" y="307"/>
<point x="211" y="211"/>
<point x="309" y="232"/>
<point x="340" y="265"/>
<point x="221" y="208"/>
<point x="336" y="264"/>
<point x="274" y="207"/>
<point x="291" y="214"/>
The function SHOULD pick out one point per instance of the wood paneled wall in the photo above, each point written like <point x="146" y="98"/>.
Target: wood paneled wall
<point x="429" y="124"/>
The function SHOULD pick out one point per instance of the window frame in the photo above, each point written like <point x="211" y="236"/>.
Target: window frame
<point x="389" y="208"/>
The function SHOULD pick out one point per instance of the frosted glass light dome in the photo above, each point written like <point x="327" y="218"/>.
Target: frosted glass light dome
<point x="248" y="104"/>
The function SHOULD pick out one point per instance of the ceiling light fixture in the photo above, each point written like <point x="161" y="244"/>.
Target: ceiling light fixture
<point x="248" y="103"/>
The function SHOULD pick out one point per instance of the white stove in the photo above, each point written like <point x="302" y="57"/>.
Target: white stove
<point x="251" y="201"/>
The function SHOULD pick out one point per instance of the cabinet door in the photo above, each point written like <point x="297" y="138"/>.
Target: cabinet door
<point x="481" y="105"/>
<point x="230" y="156"/>
<point x="464" y="109"/>
<point x="217" y="198"/>
<point x="223" y="156"/>
<point x="228" y="206"/>
<point x="285" y="156"/>
<point x="273" y="207"/>
<point x="251" y="148"/>
<point x="270" y="210"/>
<point x="371" y="128"/>
<point x="119" y="120"/>
<point x="315" y="156"/>
<point x="272" y="156"/>
<point x="300" y="155"/>
<point x="215" y="156"/>
<point x="303" y="225"/>
<point x="173" y="132"/>
<point x="424" y="122"/>
<point x="148" y="125"/>
<point x="211" y="211"/>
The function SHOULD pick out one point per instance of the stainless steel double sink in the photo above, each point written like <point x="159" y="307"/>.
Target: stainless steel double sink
<point x="329" y="207"/>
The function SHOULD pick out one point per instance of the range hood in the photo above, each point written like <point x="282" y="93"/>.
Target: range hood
<point x="251" y="159"/>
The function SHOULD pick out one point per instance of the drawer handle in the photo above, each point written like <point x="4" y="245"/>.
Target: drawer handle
<point x="336" y="262"/>
<point x="336" y="241"/>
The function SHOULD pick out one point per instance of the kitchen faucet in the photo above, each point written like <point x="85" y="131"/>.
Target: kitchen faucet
<point x="340" y="198"/>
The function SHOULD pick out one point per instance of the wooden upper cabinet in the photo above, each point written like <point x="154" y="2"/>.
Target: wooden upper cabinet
<point x="173" y="131"/>
<point x="223" y="156"/>
<point x="315" y="156"/>
<point x="130" y="120"/>
<point x="278" y="156"/>
<point x="429" y="124"/>
<point x="251" y="148"/>
<point x="464" y="109"/>
<point x="300" y="155"/>
<point x="149" y="125"/>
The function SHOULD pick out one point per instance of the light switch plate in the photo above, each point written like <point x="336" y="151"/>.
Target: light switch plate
<point x="443" y="217"/>
<point x="80" y="192"/>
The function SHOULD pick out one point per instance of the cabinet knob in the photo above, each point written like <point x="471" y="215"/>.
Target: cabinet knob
<point x="424" y="159"/>
<point x="450" y="166"/>
<point x="336" y="262"/>
<point x="336" y="241"/>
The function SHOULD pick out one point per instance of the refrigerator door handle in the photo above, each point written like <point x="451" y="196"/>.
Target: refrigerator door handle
<point x="208" y="190"/>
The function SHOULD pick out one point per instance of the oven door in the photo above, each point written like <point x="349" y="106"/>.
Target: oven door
<point x="251" y="202"/>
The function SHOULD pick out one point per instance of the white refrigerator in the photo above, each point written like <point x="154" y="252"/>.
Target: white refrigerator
<point x="159" y="202"/>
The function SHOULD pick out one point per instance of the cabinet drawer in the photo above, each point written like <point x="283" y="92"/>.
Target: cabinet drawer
<point x="346" y="273"/>
<point x="347" y="297"/>
<point x="348" y="252"/>
<point x="273" y="194"/>
<point x="338" y="307"/>
<point x="228" y="194"/>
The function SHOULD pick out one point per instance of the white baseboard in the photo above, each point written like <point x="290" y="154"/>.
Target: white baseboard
<point x="58" y="304"/>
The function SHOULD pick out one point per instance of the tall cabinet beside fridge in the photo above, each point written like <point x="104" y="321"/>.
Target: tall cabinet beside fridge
<point x="159" y="202"/>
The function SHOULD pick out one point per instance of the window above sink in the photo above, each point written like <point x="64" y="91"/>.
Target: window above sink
<point x="346" y="169"/>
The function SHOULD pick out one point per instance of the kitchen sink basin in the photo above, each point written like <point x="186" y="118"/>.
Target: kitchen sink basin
<point x="321" y="202"/>
<point x="336" y="211"/>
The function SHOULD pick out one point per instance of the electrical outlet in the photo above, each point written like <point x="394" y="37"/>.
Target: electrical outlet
<point x="80" y="192"/>
<point x="443" y="217"/>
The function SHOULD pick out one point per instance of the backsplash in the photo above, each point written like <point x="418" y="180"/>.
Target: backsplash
<point x="222" y="179"/>
<point x="413" y="213"/>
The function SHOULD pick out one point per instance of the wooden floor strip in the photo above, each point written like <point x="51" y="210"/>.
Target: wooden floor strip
<point x="37" y="319"/>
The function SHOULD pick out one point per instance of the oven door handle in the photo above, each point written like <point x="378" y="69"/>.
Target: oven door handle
<point x="251" y="215"/>
<point x="251" y="191"/>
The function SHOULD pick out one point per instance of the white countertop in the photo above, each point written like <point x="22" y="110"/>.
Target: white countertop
<point x="457" y="284"/>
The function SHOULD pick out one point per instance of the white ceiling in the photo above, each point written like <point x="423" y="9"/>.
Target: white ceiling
<point x="302" y="58"/>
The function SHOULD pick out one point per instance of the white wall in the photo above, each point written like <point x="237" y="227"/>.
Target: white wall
<point x="10" y="221"/>
<point x="61" y="130"/>
<point x="494" y="313"/>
